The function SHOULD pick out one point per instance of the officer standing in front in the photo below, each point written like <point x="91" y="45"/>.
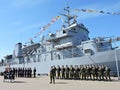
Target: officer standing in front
<point x="52" y="75"/>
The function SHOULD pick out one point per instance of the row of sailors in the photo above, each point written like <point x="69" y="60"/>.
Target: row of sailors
<point x="83" y="72"/>
<point x="21" y="72"/>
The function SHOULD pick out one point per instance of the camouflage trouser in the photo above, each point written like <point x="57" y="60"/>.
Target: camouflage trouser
<point x="76" y="75"/>
<point x="87" y="75"/>
<point x="63" y="75"/>
<point x="52" y="79"/>
<point x="80" y="74"/>
<point x="93" y="76"/>
<point x="67" y="75"/>
<point x="71" y="75"/>
<point x="96" y="75"/>
<point x="100" y="76"/>
<point x="107" y="76"/>
<point x="103" y="75"/>
<point x="83" y="75"/>
<point x="58" y="75"/>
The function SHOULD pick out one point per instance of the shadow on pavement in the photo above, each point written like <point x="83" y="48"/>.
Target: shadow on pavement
<point x="18" y="82"/>
<point x="61" y="83"/>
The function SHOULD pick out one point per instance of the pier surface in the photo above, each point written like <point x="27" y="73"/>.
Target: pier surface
<point x="42" y="83"/>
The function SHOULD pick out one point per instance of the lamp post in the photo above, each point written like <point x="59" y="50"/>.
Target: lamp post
<point x="116" y="60"/>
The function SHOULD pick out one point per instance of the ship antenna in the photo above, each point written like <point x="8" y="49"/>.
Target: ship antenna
<point x="67" y="9"/>
<point x="68" y="16"/>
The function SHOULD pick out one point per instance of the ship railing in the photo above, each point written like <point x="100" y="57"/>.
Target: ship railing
<point x="71" y="26"/>
<point x="68" y="44"/>
<point x="61" y="35"/>
<point x="50" y="39"/>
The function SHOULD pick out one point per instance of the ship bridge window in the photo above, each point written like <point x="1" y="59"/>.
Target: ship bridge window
<point x="101" y="44"/>
<point x="64" y="31"/>
<point x="58" y="56"/>
<point x="74" y="29"/>
<point x="88" y="51"/>
<point x="39" y="51"/>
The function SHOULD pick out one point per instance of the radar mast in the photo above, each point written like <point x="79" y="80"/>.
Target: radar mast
<point x="69" y="19"/>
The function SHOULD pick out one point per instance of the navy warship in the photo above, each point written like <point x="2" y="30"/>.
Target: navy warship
<point x="70" y="45"/>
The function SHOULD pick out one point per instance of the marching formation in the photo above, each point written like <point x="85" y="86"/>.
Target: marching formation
<point x="82" y="72"/>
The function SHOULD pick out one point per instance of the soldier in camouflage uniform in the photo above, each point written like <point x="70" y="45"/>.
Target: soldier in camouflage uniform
<point x="103" y="72"/>
<point x="96" y="71"/>
<point x="100" y="73"/>
<point x="80" y="72"/>
<point x="52" y="75"/>
<point x="58" y="71"/>
<point x="55" y="70"/>
<point x="63" y="72"/>
<point x="71" y="72"/>
<point x="107" y="73"/>
<point x="90" y="67"/>
<point x="87" y="72"/>
<point x="76" y="72"/>
<point x="83" y="72"/>
<point x="93" y="71"/>
<point x="67" y="70"/>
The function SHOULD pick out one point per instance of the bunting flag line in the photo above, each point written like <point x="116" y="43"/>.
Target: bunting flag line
<point x="96" y="11"/>
<point x="48" y="25"/>
<point x="45" y="27"/>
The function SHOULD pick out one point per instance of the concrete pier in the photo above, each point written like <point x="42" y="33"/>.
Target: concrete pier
<point x="42" y="83"/>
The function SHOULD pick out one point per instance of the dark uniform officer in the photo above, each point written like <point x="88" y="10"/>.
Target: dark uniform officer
<point x="52" y="75"/>
<point x="6" y="74"/>
<point x="34" y="72"/>
<point x="25" y="72"/>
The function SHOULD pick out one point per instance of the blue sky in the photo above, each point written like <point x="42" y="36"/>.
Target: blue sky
<point x="22" y="19"/>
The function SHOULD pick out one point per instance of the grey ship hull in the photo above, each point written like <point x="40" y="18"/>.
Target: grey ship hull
<point x="106" y="58"/>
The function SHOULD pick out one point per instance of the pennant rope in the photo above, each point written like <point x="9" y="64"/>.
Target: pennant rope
<point x="96" y="11"/>
<point x="48" y="25"/>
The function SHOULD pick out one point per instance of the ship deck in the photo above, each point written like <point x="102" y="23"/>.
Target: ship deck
<point x="42" y="83"/>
